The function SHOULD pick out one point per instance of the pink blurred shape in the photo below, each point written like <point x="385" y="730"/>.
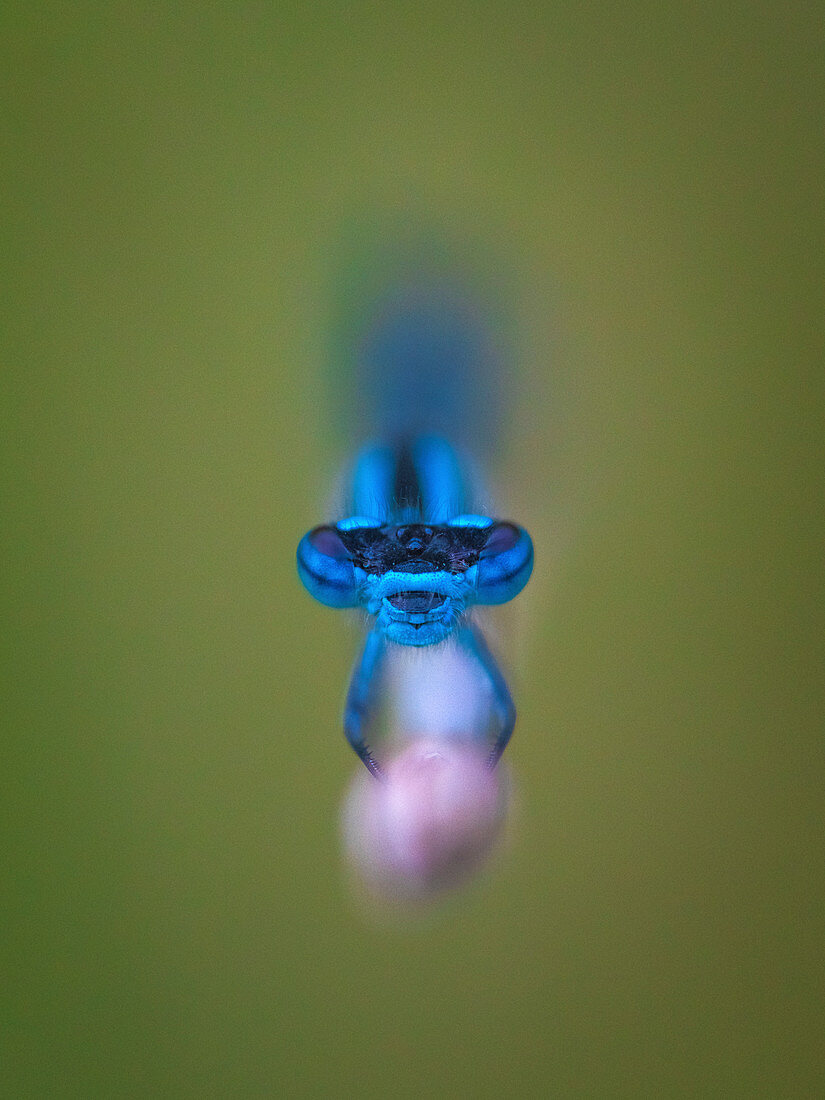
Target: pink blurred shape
<point x="430" y="824"/>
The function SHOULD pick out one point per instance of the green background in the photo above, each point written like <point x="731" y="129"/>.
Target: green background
<point x="175" y="918"/>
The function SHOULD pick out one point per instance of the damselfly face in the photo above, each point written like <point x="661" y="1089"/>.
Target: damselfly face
<point x="417" y="579"/>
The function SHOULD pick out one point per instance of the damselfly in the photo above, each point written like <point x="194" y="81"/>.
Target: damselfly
<point x="412" y="550"/>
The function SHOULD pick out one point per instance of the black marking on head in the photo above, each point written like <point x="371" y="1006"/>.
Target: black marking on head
<point x="415" y="547"/>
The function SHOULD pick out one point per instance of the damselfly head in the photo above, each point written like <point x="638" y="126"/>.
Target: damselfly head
<point x="416" y="578"/>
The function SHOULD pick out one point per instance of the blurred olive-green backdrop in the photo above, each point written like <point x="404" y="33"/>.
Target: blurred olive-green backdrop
<point x="175" y="917"/>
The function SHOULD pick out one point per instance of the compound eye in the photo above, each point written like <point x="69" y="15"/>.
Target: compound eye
<point x="326" y="569"/>
<point x="326" y="541"/>
<point x="502" y="538"/>
<point x="504" y="564"/>
<point x="354" y="523"/>
<point x="470" y="520"/>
